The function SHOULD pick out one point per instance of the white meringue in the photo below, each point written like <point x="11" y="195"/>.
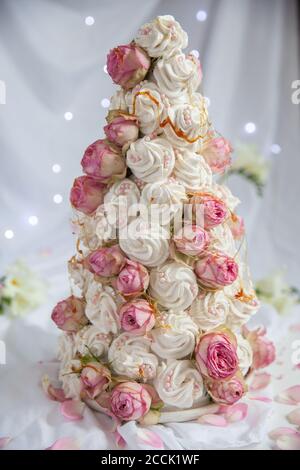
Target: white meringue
<point x="121" y="197"/>
<point x="180" y="385"/>
<point x="191" y="170"/>
<point x="130" y="356"/>
<point x="224" y="193"/>
<point x="173" y="285"/>
<point x="118" y="101"/>
<point x="147" y="244"/>
<point x="222" y="240"/>
<point x="163" y="202"/>
<point x="161" y="36"/>
<point x="151" y="160"/>
<point x="70" y="379"/>
<point x="241" y="309"/>
<point x="102" y="308"/>
<point x="146" y="103"/>
<point x="177" y="75"/>
<point x="79" y="276"/>
<point x="209" y="309"/>
<point x="66" y="348"/>
<point x="89" y="340"/>
<point x="176" y="336"/>
<point x="244" y="353"/>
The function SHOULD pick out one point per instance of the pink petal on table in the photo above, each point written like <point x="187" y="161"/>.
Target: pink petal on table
<point x="150" y="438"/>
<point x="261" y="398"/>
<point x="4" y="441"/>
<point x="72" y="409"/>
<point x="56" y="394"/>
<point x="234" y="413"/>
<point x="278" y="432"/>
<point x="294" y="417"/>
<point x="213" y="420"/>
<point x="119" y="439"/>
<point x="290" y="396"/>
<point x="65" y="443"/>
<point x="288" y="442"/>
<point x="260" y="381"/>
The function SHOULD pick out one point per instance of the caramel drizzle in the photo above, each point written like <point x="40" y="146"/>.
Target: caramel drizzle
<point x="180" y="133"/>
<point x="145" y="93"/>
<point x="243" y="297"/>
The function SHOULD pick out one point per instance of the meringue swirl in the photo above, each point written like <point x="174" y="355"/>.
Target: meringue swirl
<point x="89" y="340"/>
<point x="209" y="309"/>
<point x="102" y="308"/>
<point x="191" y="170"/>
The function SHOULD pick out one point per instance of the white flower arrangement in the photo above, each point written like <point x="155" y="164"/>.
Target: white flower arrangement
<point x="275" y="290"/>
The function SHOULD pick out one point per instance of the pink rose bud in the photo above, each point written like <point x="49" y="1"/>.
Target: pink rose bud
<point x="130" y="401"/>
<point x="87" y="194"/>
<point x="264" y="352"/>
<point x="216" y="355"/>
<point x="227" y="392"/>
<point x="137" y="317"/>
<point x="103" y="161"/>
<point x="128" y="65"/>
<point x="208" y="210"/>
<point x="191" y="240"/>
<point x="105" y="262"/>
<point x="69" y="314"/>
<point x="133" y="279"/>
<point x="122" y="129"/>
<point x="237" y="226"/>
<point x="216" y="270"/>
<point x="217" y="153"/>
<point x="95" y="379"/>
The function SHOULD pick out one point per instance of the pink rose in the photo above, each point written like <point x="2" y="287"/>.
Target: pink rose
<point x="217" y="153"/>
<point x="137" y="317"/>
<point x="130" y="401"/>
<point x="122" y="129"/>
<point x="236" y="225"/>
<point x="208" y="210"/>
<point x="264" y="352"/>
<point x="191" y="240"/>
<point x="103" y="160"/>
<point x="95" y="379"/>
<point x="228" y="391"/>
<point x="127" y="65"/>
<point x="69" y="314"/>
<point x="216" y="355"/>
<point x="216" y="270"/>
<point x="105" y="262"/>
<point x="133" y="279"/>
<point x="87" y="194"/>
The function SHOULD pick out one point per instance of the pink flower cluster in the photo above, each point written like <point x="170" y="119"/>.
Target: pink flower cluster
<point x="132" y="401"/>
<point x="137" y="317"/>
<point x="209" y="211"/>
<point x="69" y="314"/>
<point x="128" y="65"/>
<point x="264" y="352"/>
<point x="216" y="270"/>
<point x="217" y="153"/>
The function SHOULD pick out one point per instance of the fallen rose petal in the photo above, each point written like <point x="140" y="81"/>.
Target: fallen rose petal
<point x="290" y="396"/>
<point x="235" y="412"/>
<point x="72" y="409"/>
<point x="4" y="441"/>
<point x="56" y="394"/>
<point x="65" y="443"/>
<point x="150" y="438"/>
<point x="263" y="399"/>
<point x="260" y="381"/>
<point x="294" y="417"/>
<point x="288" y="442"/>
<point x="278" y="432"/>
<point x="213" y="420"/>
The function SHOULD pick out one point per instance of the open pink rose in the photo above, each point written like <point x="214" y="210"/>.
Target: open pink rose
<point x="133" y="279"/>
<point x="216" y="270"/>
<point x="130" y="401"/>
<point x="69" y="314"/>
<point x="122" y="129"/>
<point x="227" y="391"/>
<point x="127" y="65"/>
<point x="236" y="225"/>
<point x="217" y="153"/>
<point x="87" y="194"/>
<point x="264" y="352"/>
<point x="216" y="355"/>
<point x="191" y="240"/>
<point x="103" y="160"/>
<point x="209" y="211"/>
<point x="95" y="379"/>
<point x="137" y="317"/>
<point x="105" y="262"/>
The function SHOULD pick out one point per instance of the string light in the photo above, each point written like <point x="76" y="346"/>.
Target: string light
<point x="105" y="68"/>
<point x="89" y="21"/>
<point x="195" y="53"/>
<point x="56" y="168"/>
<point x="9" y="234"/>
<point x="57" y="198"/>
<point x="250" y="127"/>
<point x="276" y="149"/>
<point x="68" y="116"/>
<point x="207" y="100"/>
<point x="33" y="220"/>
<point x="105" y="103"/>
<point x="201" y="15"/>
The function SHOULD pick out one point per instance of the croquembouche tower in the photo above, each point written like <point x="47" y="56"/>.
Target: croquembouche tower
<point x="154" y="329"/>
